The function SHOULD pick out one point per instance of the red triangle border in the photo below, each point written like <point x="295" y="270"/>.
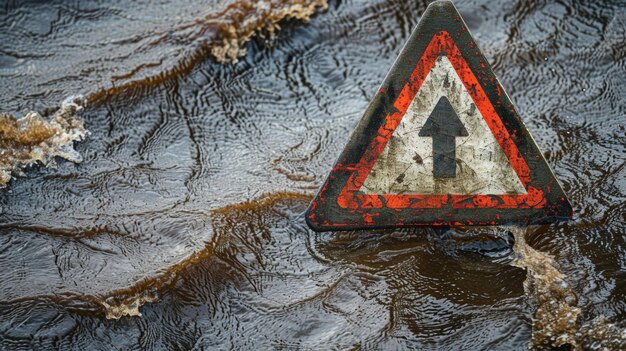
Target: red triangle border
<point x="350" y="197"/>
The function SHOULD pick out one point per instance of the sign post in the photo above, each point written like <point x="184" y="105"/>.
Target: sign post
<point x="439" y="145"/>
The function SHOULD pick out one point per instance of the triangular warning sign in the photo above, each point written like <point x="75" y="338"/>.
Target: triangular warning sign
<point x="440" y="144"/>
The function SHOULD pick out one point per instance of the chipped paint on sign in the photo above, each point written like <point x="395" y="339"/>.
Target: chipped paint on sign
<point x="405" y="165"/>
<point x="440" y="144"/>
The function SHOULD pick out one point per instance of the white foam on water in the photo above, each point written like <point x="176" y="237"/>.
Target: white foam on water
<point x="34" y="140"/>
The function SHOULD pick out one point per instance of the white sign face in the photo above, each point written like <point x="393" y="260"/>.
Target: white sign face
<point x="407" y="163"/>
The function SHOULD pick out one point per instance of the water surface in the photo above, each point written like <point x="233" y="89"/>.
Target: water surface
<point x="188" y="204"/>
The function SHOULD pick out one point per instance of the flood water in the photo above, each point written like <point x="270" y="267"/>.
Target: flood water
<point x="187" y="206"/>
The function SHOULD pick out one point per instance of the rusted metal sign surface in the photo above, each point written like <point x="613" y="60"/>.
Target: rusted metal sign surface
<point x="440" y="144"/>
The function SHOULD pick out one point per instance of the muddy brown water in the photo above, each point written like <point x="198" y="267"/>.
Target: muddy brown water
<point x="187" y="207"/>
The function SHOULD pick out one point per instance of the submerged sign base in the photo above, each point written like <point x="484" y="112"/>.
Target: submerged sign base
<point x="439" y="144"/>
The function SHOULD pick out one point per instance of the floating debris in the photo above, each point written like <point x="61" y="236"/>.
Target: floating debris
<point x="116" y="308"/>
<point x="557" y="319"/>
<point x="31" y="139"/>
<point x="237" y="33"/>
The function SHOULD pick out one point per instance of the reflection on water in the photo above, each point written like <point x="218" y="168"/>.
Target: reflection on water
<point x="191" y="193"/>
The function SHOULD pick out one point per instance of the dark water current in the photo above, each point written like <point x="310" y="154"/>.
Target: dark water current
<point x="188" y="204"/>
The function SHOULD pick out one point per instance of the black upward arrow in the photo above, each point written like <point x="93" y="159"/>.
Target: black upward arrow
<point x="443" y="125"/>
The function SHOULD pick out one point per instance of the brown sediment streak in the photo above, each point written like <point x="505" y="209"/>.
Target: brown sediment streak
<point x="62" y="232"/>
<point x="557" y="319"/>
<point x="127" y="301"/>
<point x="31" y="139"/>
<point x="222" y="35"/>
<point x="265" y="200"/>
